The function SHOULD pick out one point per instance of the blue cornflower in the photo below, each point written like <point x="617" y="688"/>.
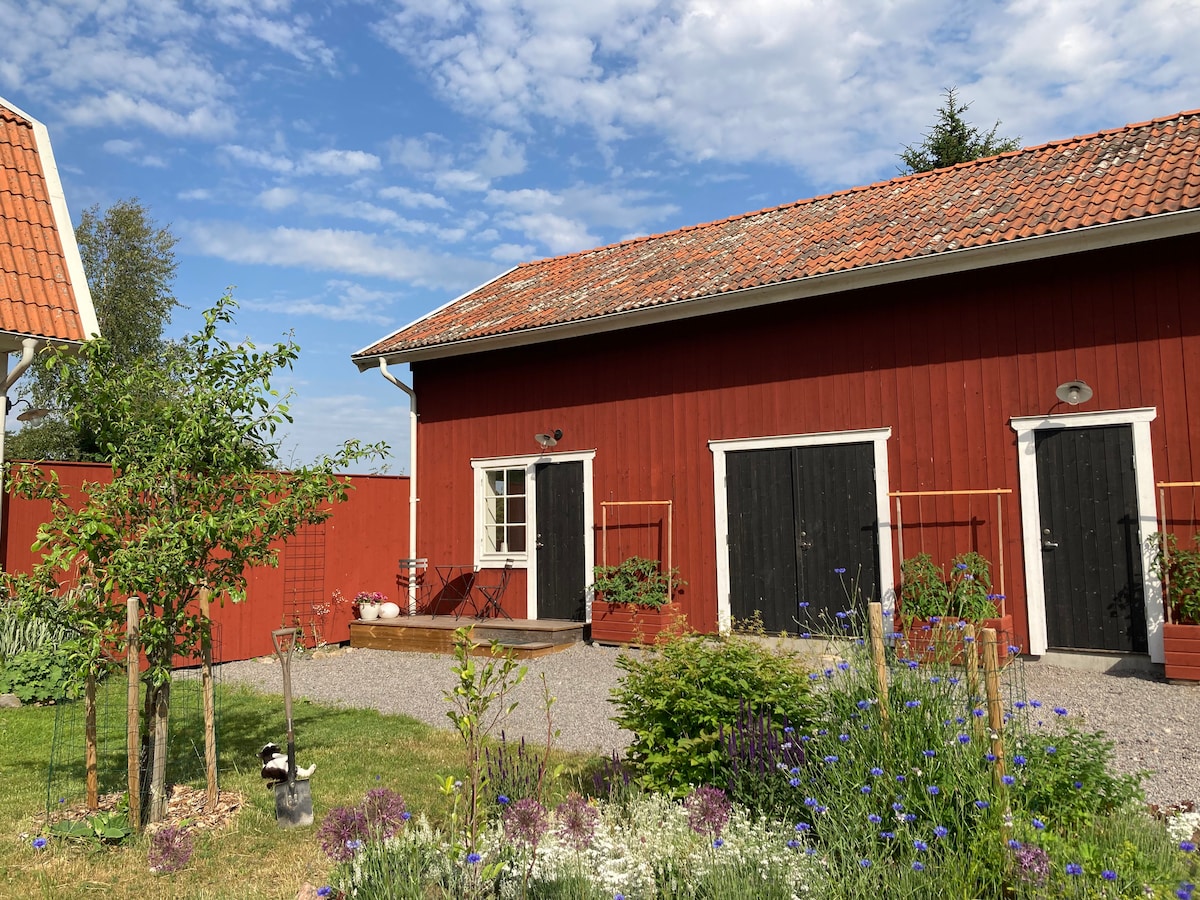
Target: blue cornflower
<point x="1050" y="751"/>
<point x="961" y="566"/>
<point x="1060" y="711"/>
<point x="865" y="863"/>
<point x="806" y="635"/>
<point x="325" y="891"/>
<point x="1014" y="844"/>
<point x="933" y="790"/>
<point x="953" y="680"/>
<point x="913" y="664"/>
<point x="1108" y="875"/>
<point x="813" y="676"/>
<point x="829" y="673"/>
<point x="354" y="845"/>
<point x="1014" y="649"/>
<point x="809" y="802"/>
<point x="803" y="826"/>
<point x="981" y="804"/>
<point x="900" y="779"/>
<point x="960" y="720"/>
<point x="1019" y="760"/>
<point x="876" y="771"/>
<point x="874" y="819"/>
<point x="865" y="789"/>
<point x="920" y="846"/>
<point x="968" y="639"/>
<point x="1074" y="869"/>
<point x="39" y="843"/>
<point x="840" y="571"/>
<point x="897" y="806"/>
<point x="929" y="754"/>
<point x="1020" y="704"/>
<point x="990" y="757"/>
<point x="934" y="679"/>
<point x="1187" y="846"/>
<point x="1036" y="704"/>
<point x="964" y="739"/>
<point x="977" y="712"/>
<point x="910" y="818"/>
<point x="822" y="809"/>
<point x="863" y="704"/>
<point x="1008" y="779"/>
<point x="793" y="844"/>
<point x="1077" y="785"/>
<point x="618" y="897"/>
<point x="473" y="858"/>
<point x="912" y="704"/>
<point x="843" y="665"/>
<point x="887" y="835"/>
<point x="940" y="831"/>
<point x="1039" y="824"/>
<point x="502" y="799"/>
<point x="788" y="729"/>
<point x="840" y="614"/>
<point x="804" y="604"/>
<point x="718" y="843"/>
<point x="831" y="759"/>
<point x="406" y="815"/>
<point x="843" y="738"/>
<point x="794" y="782"/>
<point x="918" y="866"/>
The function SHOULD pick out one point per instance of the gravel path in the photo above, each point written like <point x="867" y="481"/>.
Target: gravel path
<point x="1156" y="726"/>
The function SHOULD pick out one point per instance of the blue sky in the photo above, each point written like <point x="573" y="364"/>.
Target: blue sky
<point x="350" y="165"/>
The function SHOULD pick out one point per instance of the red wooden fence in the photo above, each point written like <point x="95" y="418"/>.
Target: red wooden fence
<point x="356" y="549"/>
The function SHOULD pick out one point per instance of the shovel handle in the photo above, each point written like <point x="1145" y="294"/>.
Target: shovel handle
<point x="285" y="663"/>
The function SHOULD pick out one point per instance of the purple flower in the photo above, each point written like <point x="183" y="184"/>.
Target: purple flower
<point x="933" y="790"/>
<point x="940" y="831"/>
<point x="39" y="843"/>
<point x="1060" y="711"/>
<point x="1008" y="779"/>
<point x="502" y="800"/>
<point x="576" y="822"/>
<point x="473" y="858"/>
<point x="876" y="771"/>
<point x="840" y="571"/>
<point x="525" y="822"/>
<point x="981" y="804"/>
<point x="803" y="826"/>
<point x="793" y="844"/>
<point x="865" y="863"/>
<point x="170" y="849"/>
<point x="1039" y="824"/>
<point x="718" y="843"/>
<point x="920" y="846"/>
<point x="1108" y="875"/>
<point x="708" y="810"/>
<point x="918" y="866"/>
<point x="1187" y="846"/>
<point x="964" y="739"/>
<point x="1033" y="864"/>
<point x="342" y="826"/>
<point x="1074" y="869"/>
<point x="874" y="819"/>
<point x="912" y="704"/>
<point x="325" y="891"/>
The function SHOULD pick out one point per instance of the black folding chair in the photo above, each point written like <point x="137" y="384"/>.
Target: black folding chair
<point x="493" y="593"/>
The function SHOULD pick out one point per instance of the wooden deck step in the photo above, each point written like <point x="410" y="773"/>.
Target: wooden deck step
<point x="527" y="638"/>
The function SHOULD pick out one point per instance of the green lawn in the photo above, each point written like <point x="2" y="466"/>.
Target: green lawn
<point x="355" y="750"/>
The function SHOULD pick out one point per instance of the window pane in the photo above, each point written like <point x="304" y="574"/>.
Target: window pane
<point x="516" y="510"/>
<point x="516" y="538"/>
<point x="516" y="481"/>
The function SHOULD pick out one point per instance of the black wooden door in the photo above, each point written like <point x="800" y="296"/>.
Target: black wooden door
<point x="561" y="552"/>
<point x="1091" y="543"/>
<point x="796" y="516"/>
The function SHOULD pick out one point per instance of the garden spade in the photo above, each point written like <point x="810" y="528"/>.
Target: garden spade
<point x="293" y="799"/>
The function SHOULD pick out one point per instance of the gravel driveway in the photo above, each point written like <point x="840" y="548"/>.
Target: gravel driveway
<point x="1155" y="725"/>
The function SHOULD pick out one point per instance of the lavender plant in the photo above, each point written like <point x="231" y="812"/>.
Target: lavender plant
<point x="171" y="849"/>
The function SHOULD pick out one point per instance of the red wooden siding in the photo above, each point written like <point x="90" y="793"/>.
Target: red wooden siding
<point x="945" y="362"/>
<point x="356" y="549"/>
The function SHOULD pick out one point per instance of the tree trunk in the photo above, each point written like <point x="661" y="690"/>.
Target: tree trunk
<point x="154" y="752"/>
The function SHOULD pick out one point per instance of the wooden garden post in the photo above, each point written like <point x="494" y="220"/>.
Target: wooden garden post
<point x="210" y="723"/>
<point x="89" y="738"/>
<point x="133" y="743"/>
<point x="971" y="661"/>
<point x="991" y="676"/>
<point x="879" y="658"/>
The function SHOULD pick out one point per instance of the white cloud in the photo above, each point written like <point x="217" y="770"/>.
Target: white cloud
<point x="332" y="250"/>
<point x="195" y="194"/>
<point x="258" y="159"/>
<point x="117" y="108"/>
<point x="121" y="148"/>
<point x="411" y="199"/>
<point x="340" y="301"/>
<point x="832" y="88"/>
<point x="322" y="422"/>
<point x="278" y="198"/>
<point x="339" y="162"/>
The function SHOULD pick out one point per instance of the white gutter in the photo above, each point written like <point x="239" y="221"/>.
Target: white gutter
<point x="412" y="481"/>
<point x="29" y="348"/>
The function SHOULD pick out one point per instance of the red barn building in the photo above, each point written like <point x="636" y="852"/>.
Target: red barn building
<point x="1026" y="325"/>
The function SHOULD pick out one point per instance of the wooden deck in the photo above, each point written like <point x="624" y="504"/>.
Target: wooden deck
<point x="528" y="638"/>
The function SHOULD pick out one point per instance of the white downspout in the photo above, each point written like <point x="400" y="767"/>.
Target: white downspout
<point x="29" y="348"/>
<point x="412" y="481"/>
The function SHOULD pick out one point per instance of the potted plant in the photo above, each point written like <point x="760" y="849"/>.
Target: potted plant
<point x="935" y="608"/>
<point x="1179" y="572"/>
<point x="369" y="604"/>
<point x="633" y="601"/>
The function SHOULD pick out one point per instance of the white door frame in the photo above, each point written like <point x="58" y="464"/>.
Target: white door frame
<point x="1031" y="519"/>
<point x="878" y="437"/>
<point x="528" y="560"/>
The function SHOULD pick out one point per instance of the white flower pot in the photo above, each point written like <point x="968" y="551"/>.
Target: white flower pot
<point x="368" y="611"/>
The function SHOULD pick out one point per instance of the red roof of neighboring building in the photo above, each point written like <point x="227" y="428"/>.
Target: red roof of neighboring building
<point x="1135" y="172"/>
<point x="42" y="289"/>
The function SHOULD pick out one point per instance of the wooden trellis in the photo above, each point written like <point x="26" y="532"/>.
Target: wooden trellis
<point x="999" y="494"/>
<point x="669" y="504"/>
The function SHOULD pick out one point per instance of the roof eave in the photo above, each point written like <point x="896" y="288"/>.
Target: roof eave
<point x="1080" y="240"/>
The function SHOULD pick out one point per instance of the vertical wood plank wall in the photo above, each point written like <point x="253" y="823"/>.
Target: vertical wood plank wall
<point x="945" y="362"/>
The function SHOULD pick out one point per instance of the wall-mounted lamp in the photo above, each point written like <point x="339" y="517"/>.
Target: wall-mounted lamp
<point x="33" y="414"/>
<point x="546" y="441"/>
<point x="1074" y="392"/>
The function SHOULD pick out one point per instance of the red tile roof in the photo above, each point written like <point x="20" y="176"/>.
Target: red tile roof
<point x="40" y="293"/>
<point x="1144" y="170"/>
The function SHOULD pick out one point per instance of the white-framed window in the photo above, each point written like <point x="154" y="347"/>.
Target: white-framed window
<point x="505" y="511"/>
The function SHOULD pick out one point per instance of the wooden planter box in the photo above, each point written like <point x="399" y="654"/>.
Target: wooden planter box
<point x="943" y="641"/>
<point x="627" y="624"/>
<point x="1181" y="649"/>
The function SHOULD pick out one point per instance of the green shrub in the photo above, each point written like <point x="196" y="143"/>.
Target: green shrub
<point x="39" y="676"/>
<point x="677" y="698"/>
<point x="636" y="582"/>
<point x="1179" y="571"/>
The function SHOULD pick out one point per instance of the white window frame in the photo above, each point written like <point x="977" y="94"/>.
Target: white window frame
<point x="528" y="559"/>
<point x="1031" y="519"/>
<point x="878" y="437"/>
